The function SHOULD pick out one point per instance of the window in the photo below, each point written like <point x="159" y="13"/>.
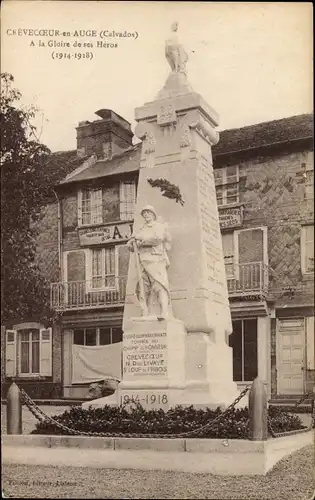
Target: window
<point x="98" y="206"/>
<point x="307" y="249"/>
<point x="309" y="176"/>
<point x="127" y="200"/>
<point x="29" y="351"/>
<point x="97" y="336"/>
<point x="227" y="185"/>
<point x="104" y="267"/>
<point x="92" y="206"/>
<point x="243" y="341"/>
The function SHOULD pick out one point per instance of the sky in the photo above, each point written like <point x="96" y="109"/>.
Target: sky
<point x="252" y="62"/>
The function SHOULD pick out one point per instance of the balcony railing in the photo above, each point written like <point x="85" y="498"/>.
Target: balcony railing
<point x="243" y="280"/>
<point x="90" y="294"/>
<point x="247" y="279"/>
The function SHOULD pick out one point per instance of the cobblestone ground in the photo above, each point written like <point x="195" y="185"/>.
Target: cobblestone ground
<point x="28" y="420"/>
<point x="291" y="479"/>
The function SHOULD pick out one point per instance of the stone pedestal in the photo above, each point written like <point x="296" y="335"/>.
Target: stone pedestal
<point x="164" y="366"/>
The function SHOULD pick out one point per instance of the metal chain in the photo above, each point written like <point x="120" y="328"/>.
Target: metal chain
<point x="309" y="394"/>
<point x="275" y="434"/>
<point x="41" y="416"/>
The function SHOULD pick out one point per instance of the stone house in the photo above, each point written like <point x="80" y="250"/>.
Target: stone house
<point x="264" y="177"/>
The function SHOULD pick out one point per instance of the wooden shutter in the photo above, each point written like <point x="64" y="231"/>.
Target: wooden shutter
<point x="228" y="253"/>
<point x="123" y="260"/>
<point x="45" y="350"/>
<point x="76" y="266"/>
<point x="79" y="207"/>
<point x="10" y="353"/>
<point x="251" y="257"/>
<point x="250" y="246"/>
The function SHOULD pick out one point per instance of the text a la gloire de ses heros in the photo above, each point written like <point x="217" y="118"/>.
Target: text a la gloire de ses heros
<point x="76" y="33"/>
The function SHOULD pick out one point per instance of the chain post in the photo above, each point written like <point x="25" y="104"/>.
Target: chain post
<point x="14" y="410"/>
<point x="258" y="411"/>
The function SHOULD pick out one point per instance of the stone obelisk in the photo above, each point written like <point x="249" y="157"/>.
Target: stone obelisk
<point x="185" y="358"/>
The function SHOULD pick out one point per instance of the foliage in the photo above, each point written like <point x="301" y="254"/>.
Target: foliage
<point x="23" y="190"/>
<point x="136" y="419"/>
<point x="282" y="421"/>
<point x="168" y="189"/>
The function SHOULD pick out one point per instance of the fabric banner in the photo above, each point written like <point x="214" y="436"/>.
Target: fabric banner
<point x="94" y="363"/>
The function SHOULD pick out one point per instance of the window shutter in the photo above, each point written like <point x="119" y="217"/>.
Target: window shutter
<point x="10" y="353"/>
<point x="46" y="352"/>
<point x="122" y="201"/>
<point x="228" y="253"/>
<point x="123" y="260"/>
<point x="250" y="246"/>
<point x="79" y="207"/>
<point x="76" y="265"/>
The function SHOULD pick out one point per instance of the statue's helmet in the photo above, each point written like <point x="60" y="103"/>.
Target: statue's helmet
<point x="149" y="208"/>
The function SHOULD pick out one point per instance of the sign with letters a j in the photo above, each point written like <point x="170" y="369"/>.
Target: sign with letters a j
<point x="105" y="234"/>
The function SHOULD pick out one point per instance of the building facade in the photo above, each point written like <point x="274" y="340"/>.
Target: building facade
<point x="264" y="178"/>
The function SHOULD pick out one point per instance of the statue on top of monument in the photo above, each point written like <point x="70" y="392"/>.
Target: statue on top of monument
<point x="150" y="245"/>
<point x="175" y="52"/>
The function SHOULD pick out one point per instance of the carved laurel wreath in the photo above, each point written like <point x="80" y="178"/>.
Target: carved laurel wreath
<point x="168" y="189"/>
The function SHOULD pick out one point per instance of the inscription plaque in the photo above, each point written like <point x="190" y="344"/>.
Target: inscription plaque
<point x="145" y="355"/>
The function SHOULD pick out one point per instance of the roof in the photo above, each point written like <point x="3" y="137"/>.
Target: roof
<point x="128" y="161"/>
<point x="231" y="141"/>
<point x="264" y="134"/>
<point x="61" y="164"/>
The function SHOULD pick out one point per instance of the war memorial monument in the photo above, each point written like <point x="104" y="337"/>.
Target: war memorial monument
<point x="176" y="316"/>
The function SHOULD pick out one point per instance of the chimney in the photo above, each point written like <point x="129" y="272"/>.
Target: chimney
<point x="105" y="137"/>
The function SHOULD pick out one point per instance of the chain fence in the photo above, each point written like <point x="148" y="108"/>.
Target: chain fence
<point x="309" y="395"/>
<point x="41" y="416"/>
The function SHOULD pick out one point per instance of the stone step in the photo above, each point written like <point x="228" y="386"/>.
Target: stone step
<point x="289" y="402"/>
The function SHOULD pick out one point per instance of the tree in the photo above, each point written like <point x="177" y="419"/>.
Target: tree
<point x="25" y="295"/>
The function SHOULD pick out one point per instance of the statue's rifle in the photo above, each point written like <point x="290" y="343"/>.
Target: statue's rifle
<point x="141" y="284"/>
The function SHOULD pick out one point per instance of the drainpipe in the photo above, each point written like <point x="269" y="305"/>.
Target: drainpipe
<point x="60" y="242"/>
<point x="60" y="274"/>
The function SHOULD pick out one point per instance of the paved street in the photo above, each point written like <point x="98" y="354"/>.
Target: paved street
<point x="290" y="479"/>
